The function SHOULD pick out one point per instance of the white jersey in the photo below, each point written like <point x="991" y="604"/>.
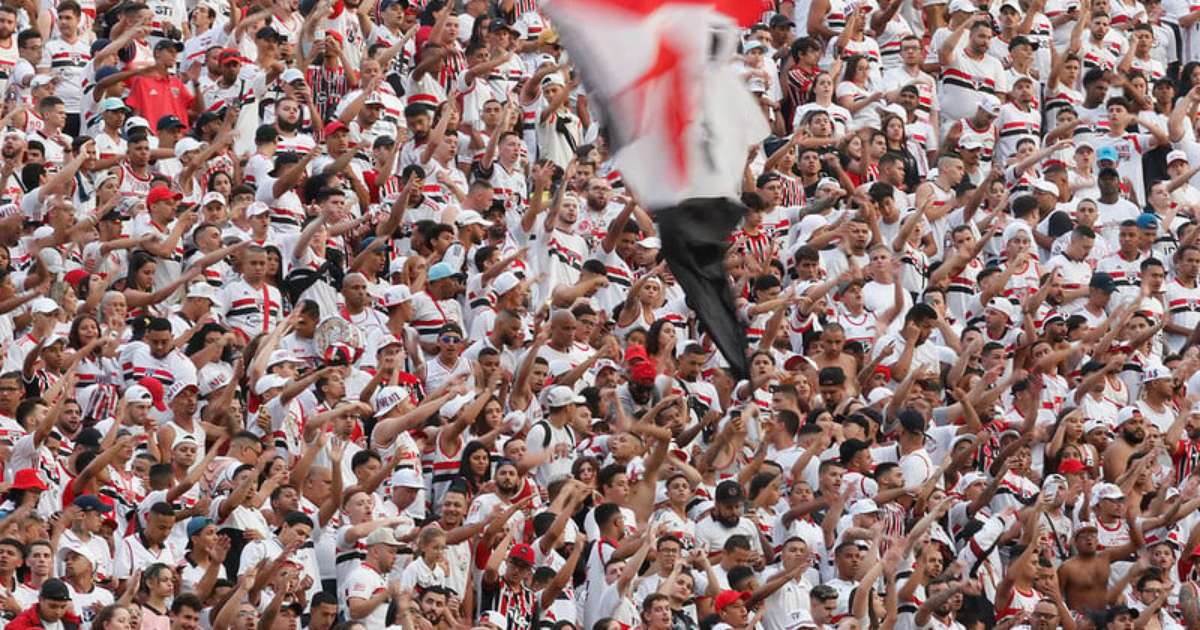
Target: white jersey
<point x="251" y="310"/>
<point x="67" y="62"/>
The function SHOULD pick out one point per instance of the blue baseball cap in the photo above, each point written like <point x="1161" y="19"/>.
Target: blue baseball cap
<point x="441" y="271"/>
<point x="89" y="503"/>
<point x="1107" y="153"/>
<point x="196" y="524"/>
<point x="103" y="72"/>
<point x="1147" y="220"/>
<point x="113" y="104"/>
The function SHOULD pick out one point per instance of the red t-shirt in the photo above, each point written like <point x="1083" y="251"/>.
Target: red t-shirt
<point x="157" y="96"/>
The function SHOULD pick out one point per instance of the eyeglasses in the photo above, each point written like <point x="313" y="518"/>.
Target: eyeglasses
<point x="450" y="339"/>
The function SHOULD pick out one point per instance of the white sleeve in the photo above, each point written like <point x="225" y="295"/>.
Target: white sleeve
<point x="535" y="438"/>
<point x="123" y="560"/>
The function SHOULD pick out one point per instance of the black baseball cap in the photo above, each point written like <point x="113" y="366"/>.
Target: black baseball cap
<point x="779" y="20"/>
<point x="55" y="589"/>
<point x="498" y="25"/>
<point x="1101" y="280"/>
<point x="729" y="491"/>
<point x="88" y="437"/>
<point x="170" y="121"/>
<point x="267" y="32"/>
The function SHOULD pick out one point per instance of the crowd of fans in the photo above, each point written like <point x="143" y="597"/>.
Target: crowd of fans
<point x="338" y="314"/>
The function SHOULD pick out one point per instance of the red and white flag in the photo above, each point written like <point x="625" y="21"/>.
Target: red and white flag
<point x="680" y="120"/>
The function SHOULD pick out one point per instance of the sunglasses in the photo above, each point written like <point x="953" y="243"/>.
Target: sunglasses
<point x="450" y="339"/>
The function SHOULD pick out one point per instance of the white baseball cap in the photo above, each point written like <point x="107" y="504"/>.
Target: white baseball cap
<point x="185" y="144"/>
<point x="136" y="394"/>
<point x="257" y="208"/>
<point x="291" y="74"/>
<point x="1044" y="185"/>
<point x="267" y="382"/>
<point x="1155" y="372"/>
<point x="212" y="196"/>
<point x="387" y="398"/>
<point x="43" y="306"/>
<point x="1004" y="306"/>
<point x="281" y="356"/>
<point x="863" y="506"/>
<point x="561" y="396"/>
<point x="1109" y="491"/>
<point x="407" y="478"/>
<point x="505" y="282"/>
<point x="203" y="290"/>
<point x="452" y="407"/>
<point x="650" y="242"/>
<point x="989" y="105"/>
<point x="1176" y="156"/>
<point x="471" y="217"/>
<point x="396" y="295"/>
<point x="1126" y="414"/>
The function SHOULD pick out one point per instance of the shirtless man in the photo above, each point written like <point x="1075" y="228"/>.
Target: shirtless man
<point x="1131" y="431"/>
<point x="833" y="339"/>
<point x="1084" y="577"/>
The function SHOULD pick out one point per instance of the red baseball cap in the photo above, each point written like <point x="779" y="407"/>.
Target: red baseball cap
<point x="635" y="353"/>
<point x="155" y="387"/>
<point x="75" y="276"/>
<point x="521" y="553"/>
<point x="725" y="598"/>
<point x="28" y="479"/>
<point x="1071" y="467"/>
<point x="335" y="126"/>
<point x="161" y="193"/>
<point x="229" y="54"/>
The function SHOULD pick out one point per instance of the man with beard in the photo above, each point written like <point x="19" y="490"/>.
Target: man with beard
<point x="432" y="604"/>
<point x="560" y="250"/>
<point x="912" y="349"/>
<point x="1156" y="400"/>
<point x="1084" y="577"/>
<point x="561" y="344"/>
<point x="9" y="52"/>
<point x="726" y="520"/>
<point x="509" y="483"/>
<point x="358" y="308"/>
<point x="599" y="210"/>
<point x="506" y="336"/>
<point x="157" y="357"/>
<point x="472" y="228"/>
<point x="1130" y="431"/>
<point x="227" y="89"/>
<point x="12" y="151"/>
<point x="436" y="306"/>
<point x="1185" y="449"/>
<point x="366" y="589"/>
<point x="288" y="122"/>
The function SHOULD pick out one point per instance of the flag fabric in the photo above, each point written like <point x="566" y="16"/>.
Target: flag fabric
<point x="692" y="235"/>
<point x="679" y="118"/>
<point x="680" y="123"/>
